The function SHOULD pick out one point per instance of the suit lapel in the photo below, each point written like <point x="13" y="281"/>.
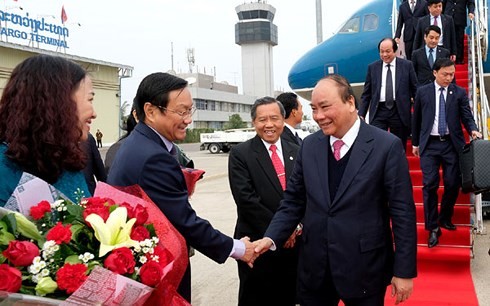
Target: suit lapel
<point x="449" y="97"/>
<point x="379" y="78"/>
<point x="321" y="158"/>
<point x="289" y="157"/>
<point x="361" y="149"/>
<point x="265" y="162"/>
<point x="398" y="76"/>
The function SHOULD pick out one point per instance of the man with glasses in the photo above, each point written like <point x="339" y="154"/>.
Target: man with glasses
<point x="164" y="108"/>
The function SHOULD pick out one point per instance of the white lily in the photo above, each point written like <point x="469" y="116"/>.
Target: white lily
<point x="115" y="233"/>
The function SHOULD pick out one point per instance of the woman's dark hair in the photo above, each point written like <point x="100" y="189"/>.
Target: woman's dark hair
<point x="39" y="118"/>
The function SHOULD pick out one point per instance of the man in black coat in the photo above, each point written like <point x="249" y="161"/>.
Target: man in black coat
<point x="294" y="116"/>
<point x="457" y="10"/>
<point x="94" y="168"/>
<point x="257" y="179"/>
<point x="423" y="59"/>
<point x="408" y="16"/>
<point x="440" y="109"/>
<point x="448" y="35"/>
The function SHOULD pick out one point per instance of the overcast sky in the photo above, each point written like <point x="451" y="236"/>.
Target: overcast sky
<point x="139" y="33"/>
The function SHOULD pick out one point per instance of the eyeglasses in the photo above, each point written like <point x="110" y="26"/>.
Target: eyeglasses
<point x="185" y="114"/>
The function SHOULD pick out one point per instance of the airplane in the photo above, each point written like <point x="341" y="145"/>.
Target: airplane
<point x="355" y="46"/>
<point x="352" y="49"/>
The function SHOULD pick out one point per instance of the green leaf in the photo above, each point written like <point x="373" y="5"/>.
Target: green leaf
<point x="75" y="210"/>
<point x="72" y="259"/>
<point x="5" y="236"/>
<point x="151" y="229"/>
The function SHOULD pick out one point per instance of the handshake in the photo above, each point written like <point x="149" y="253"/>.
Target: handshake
<point x="256" y="248"/>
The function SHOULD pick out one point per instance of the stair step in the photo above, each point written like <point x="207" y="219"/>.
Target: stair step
<point x="442" y="253"/>
<point x="460" y="237"/>
<point x="418" y="196"/>
<point x="413" y="162"/>
<point x="461" y="214"/>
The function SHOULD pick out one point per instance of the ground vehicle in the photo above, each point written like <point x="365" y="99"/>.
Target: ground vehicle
<point x="224" y="140"/>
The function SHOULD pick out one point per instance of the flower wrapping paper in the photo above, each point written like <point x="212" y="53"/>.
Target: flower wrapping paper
<point x="165" y="293"/>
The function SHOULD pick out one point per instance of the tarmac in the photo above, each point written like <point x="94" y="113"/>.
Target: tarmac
<point x="217" y="284"/>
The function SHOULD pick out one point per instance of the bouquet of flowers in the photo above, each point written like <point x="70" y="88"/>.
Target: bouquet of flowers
<point x="102" y="250"/>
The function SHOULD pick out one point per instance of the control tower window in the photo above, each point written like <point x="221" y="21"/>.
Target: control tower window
<point x="370" y="22"/>
<point x="351" y="26"/>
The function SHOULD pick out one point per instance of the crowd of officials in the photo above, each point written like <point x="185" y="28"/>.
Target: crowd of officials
<point x="336" y="208"/>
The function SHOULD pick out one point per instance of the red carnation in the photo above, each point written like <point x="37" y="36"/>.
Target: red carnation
<point x="139" y="233"/>
<point x="98" y="209"/>
<point x="71" y="277"/>
<point x="151" y="273"/>
<point x="129" y="209"/>
<point x="60" y="234"/>
<point x="95" y="201"/>
<point x="120" y="261"/>
<point x="160" y="255"/>
<point x="10" y="278"/>
<point x="21" y="253"/>
<point x="38" y="211"/>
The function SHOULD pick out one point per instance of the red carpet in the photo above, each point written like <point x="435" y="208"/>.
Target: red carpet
<point x="444" y="276"/>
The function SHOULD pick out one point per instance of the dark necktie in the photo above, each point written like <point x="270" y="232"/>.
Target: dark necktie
<point x="278" y="166"/>
<point x="435" y="21"/>
<point x="431" y="57"/>
<point x="298" y="139"/>
<point x="442" y="114"/>
<point x="337" y="145"/>
<point x="389" y="102"/>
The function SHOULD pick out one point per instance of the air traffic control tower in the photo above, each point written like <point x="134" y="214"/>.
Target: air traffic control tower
<point x="256" y="34"/>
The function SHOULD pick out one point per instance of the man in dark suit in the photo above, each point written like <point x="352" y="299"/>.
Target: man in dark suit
<point x="294" y="116"/>
<point x="94" y="168"/>
<point x="457" y="10"/>
<point x="388" y="91"/>
<point x="423" y="59"/>
<point x="444" y="22"/>
<point x="164" y="108"/>
<point x="257" y="185"/>
<point x="408" y="15"/>
<point x="350" y="182"/>
<point x="437" y="137"/>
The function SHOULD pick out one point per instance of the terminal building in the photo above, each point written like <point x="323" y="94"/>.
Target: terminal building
<point x="215" y="101"/>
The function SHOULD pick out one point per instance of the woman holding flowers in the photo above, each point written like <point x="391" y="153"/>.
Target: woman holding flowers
<point x="45" y="111"/>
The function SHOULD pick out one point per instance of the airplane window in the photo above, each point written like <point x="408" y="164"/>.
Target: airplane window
<point x="351" y="26"/>
<point x="370" y="22"/>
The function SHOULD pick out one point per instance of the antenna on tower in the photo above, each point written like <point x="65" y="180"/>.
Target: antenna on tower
<point x="190" y="58"/>
<point x="172" y="54"/>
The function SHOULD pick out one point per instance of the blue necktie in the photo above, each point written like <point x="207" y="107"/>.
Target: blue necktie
<point x="442" y="114"/>
<point x="431" y="57"/>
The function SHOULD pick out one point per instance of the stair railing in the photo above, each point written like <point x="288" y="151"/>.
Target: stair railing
<point x="478" y="41"/>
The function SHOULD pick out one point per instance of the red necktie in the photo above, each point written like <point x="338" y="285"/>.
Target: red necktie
<point x="337" y="144"/>
<point x="435" y="21"/>
<point x="276" y="161"/>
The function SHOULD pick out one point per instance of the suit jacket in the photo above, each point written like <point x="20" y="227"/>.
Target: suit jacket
<point x="448" y="33"/>
<point x="255" y="185"/>
<point x="409" y="20"/>
<point x="143" y="159"/>
<point x="350" y="237"/>
<point x="421" y="65"/>
<point x="457" y="111"/>
<point x="405" y="88"/>
<point x="94" y="169"/>
<point x="457" y="10"/>
<point x="288" y="136"/>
